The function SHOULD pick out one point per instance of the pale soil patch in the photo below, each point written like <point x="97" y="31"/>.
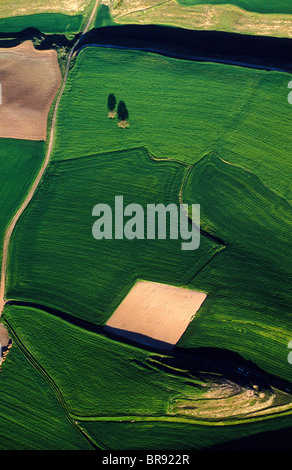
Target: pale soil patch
<point x="269" y="25"/>
<point x="123" y="124"/>
<point x="30" y="80"/>
<point x="112" y="114"/>
<point x="5" y="343"/>
<point x="230" y="400"/>
<point x="4" y="337"/>
<point x="23" y="7"/>
<point x="158" y="312"/>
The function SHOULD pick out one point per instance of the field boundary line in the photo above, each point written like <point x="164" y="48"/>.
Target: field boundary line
<point x="172" y="419"/>
<point x="144" y="148"/>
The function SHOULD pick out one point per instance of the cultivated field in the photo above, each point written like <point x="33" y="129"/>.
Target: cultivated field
<point x="108" y="383"/>
<point x="49" y="17"/>
<point x="54" y="259"/>
<point x="244" y="17"/>
<point x="180" y="110"/>
<point x="87" y="317"/>
<point x="180" y="435"/>
<point x="20" y="161"/>
<point x="261" y="6"/>
<point x="239" y="281"/>
<point x="30" y="80"/>
<point x="22" y="7"/>
<point x="96" y="375"/>
<point x="249" y="282"/>
<point x="41" y="426"/>
<point x="154" y="313"/>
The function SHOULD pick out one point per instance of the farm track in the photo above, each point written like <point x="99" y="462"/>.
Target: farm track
<point x="44" y="166"/>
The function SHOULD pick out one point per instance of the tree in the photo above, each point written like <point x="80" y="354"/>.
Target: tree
<point x="123" y="113"/>
<point x="111" y="102"/>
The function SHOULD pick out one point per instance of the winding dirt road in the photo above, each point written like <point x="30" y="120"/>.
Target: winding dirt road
<point x="44" y="166"/>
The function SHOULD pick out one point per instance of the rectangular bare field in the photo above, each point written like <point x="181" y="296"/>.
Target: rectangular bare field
<point x="29" y="81"/>
<point x="155" y="314"/>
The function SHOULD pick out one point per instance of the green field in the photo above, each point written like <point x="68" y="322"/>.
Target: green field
<point x="54" y="259"/>
<point x="57" y="17"/>
<point x="179" y="436"/>
<point x="180" y="110"/>
<point x="258" y="17"/>
<point x="20" y="162"/>
<point x="41" y="426"/>
<point x="260" y="6"/>
<point x="248" y="309"/>
<point x="97" y="376"/>
<point x="200" y="133"/>
<point x="112" y="389"/>
<point x="60" y="265"/>
<point x="45" y="22"/>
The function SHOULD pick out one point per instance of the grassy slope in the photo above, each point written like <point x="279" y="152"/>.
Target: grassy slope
<point x="180" y="110"/>
<point x="30" y="416"/>
<point x="260" y="6"/>
<point x="248" y="309"/>
<point x="116" y="379"/>
<point x="19" y="162"/>
<point x="56" y="261"/>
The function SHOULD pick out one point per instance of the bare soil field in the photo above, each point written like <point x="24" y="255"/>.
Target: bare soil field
<point x="155" y="314"/>
<point x="29" y="82"/>
<point x="4" y="338"/>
